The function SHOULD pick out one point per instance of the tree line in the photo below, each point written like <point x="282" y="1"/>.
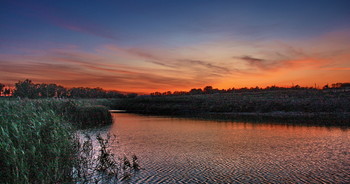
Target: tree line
<point x="28" y="89"/>
<point x="211" y="90"/>
<point x="5" y="91"/>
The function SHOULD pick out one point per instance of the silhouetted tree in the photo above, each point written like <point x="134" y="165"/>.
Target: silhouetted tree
<point x="156" y="94"/>
<point x="195" y="91"/>
<point x="1" y="88"/>
<point x="51" y="90"/>
<point x="296" y="87"/>
<point x="179" y="93"/>
<point x="42" y="90"/>
<point x="208" y="89"/>
<point x="96" y="93"/>
<point x="7" y="91"/>
<point x="47" y="90"/>
<point x="336" y="85"/>
<point x="77" y="93"/>
<point x="26" y="89"/>
<point x="61" y="92"/>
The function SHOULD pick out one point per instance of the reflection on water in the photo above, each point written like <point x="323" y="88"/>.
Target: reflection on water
<point x="175" y="150"/>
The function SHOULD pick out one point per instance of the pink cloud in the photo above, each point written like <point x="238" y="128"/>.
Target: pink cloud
<point x="74" y="23"/>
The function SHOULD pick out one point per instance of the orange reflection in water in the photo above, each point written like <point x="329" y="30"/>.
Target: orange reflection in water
<point x="173" y="150"/>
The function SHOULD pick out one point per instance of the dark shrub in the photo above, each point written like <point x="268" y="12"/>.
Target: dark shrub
<point x="91" y="115"/>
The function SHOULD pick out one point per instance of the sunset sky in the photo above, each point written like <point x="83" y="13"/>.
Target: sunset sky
<point x="146" y="45"/>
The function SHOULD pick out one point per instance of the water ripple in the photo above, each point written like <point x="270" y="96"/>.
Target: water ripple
<point x="188" y="151"/>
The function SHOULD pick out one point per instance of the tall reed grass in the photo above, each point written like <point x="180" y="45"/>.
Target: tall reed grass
<point x="38" y="141"/>
<point x="36" y="145"/>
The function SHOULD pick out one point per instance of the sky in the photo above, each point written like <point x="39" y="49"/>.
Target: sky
<point x="160" y="45"/>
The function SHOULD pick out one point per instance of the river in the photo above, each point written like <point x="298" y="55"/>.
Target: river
<point x="178" y="150"/>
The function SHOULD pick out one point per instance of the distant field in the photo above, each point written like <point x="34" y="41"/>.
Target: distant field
<point x="320" y="106"/>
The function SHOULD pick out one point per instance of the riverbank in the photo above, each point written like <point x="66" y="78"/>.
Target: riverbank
<point x="311" y="107"/>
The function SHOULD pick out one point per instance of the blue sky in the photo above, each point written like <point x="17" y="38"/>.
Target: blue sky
<point x="162" y="39"/>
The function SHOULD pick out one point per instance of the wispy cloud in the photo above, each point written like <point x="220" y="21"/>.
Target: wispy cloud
<point x="193" y="68"/>
<point x="337" y="69"/>
<point x="158" y="69"/>
<point x="314" y="54"/>
<point x="66" y="20"/>
<point x="77" y="68"/>
<point x="92" y="29"/>
<point x="208" y="65"/>
<point x="255" y="62"/>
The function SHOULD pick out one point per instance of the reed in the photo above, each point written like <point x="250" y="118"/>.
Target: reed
<point x="36" y="145"/>
<point x="85" y="116"/>
<point x="98" y="164"/>
<point x="38" y="140"/>
<point x="79" y="113"/>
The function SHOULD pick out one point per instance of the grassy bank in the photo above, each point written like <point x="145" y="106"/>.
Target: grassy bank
<point x="38" y="143"/>
<point x="288" y="106"/>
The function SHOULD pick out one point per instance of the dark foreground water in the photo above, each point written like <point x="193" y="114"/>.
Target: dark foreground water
<point x="175" y="150"/>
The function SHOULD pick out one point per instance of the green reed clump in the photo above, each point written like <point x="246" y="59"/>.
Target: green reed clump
<point x="83" y="114"/>
<point x="80" y="113"/>
<point x="36" y="145"/>
<point x="91" y="115"/>
<point x="39" y="143"/>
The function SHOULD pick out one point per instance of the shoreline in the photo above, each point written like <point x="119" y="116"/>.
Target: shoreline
<point x="283" y="107"/>
<point x="328" y="119"/>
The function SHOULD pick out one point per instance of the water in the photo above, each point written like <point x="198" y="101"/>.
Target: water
<point x="173" y="150"/>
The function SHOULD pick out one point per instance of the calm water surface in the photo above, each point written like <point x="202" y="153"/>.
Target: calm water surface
<point x="173" y="150"/>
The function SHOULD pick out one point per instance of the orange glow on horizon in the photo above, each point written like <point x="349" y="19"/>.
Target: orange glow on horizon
<point x="222" y="64"/>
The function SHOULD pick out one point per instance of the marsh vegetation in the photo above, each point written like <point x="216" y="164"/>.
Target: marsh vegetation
<point x="324" y="107"/>
<point x="39" y="143"/>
